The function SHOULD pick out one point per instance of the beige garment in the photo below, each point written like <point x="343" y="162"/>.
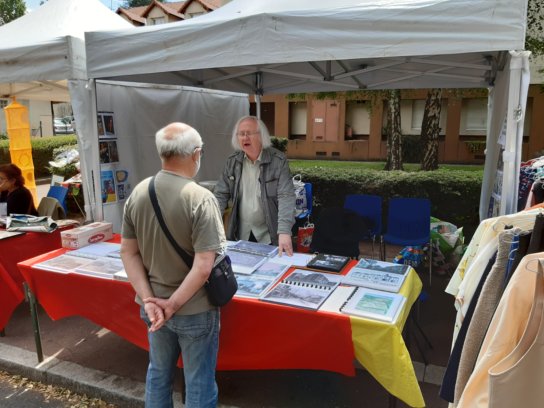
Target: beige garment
<point x="504" y="333"/>
<point x="483" y="313"/>
<point x="251" y="214"/>
<point x="518" y="377"/>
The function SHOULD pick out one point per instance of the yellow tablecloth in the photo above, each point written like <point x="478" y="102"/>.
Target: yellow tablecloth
<point x="380" y="348"/>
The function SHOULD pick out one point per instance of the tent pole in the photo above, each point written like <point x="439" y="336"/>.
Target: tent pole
<point x="258" y="93"/>
<point x="258" y="105"/>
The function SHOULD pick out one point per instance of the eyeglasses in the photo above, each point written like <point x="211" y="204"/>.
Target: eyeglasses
<point x="201" y="150"/>
<point x="247" y="133"/>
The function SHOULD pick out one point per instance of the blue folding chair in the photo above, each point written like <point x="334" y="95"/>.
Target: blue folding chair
<point x="408" y="223"/>
<point x="59" y="192"/>
<point x="370" y="208"/>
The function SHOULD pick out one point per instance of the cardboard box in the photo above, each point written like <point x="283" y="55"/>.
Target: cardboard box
<point x="86" y="234"/>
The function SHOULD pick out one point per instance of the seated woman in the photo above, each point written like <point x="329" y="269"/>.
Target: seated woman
<point x="13" y="192"/>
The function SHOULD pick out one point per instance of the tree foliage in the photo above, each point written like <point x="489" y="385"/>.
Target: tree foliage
<point x="534" y="40"/>
<point x="11" y="10"/>
<point x="138" y="3"/>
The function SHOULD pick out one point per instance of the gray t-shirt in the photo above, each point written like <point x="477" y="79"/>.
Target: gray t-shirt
<point x="192" y="215"/>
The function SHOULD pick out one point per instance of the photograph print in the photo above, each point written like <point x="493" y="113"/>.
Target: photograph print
<point x="107" y="185"/>
<point x="252" y="286"/>
<point x="298" y="296"/>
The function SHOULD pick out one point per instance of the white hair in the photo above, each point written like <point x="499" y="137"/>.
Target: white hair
<point x="263" y="131"/>
<point x="177" y="139"/>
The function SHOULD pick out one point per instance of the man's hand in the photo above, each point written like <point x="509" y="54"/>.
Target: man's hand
<point x="167" y="306"/>
<point x="156" y="315"/>
<point x="285" y="244"/>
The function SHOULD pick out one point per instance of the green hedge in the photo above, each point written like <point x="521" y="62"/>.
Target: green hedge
<point x="454" y="194"/>
<point x="42" y="151"/>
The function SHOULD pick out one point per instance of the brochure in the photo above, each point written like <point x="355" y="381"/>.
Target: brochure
<point x="99" y="249"/>
<point x="243" y="262"/>
<point x="375" y="274"/>
<point x="102" y="267"/>
<point x="63" y="263"/>
<point x="304" y="289"/>
<point x="254" y="248"/>
<point x="374" y="304"/>
<point x="258" y="283"/>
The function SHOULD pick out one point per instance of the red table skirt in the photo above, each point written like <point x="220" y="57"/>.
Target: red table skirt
<point x="29" y="245"/>
<point x="10" y="296"/>
<point x="254" y="334"/>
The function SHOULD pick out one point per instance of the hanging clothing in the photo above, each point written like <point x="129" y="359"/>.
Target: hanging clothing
<point x="485" y="308"/>
<point x="504" y="333"/>
<point x="518" y="377"/>
<point x="450" y="376"/>
<point x="468" y="273"/>
<point x="523" y="245"/>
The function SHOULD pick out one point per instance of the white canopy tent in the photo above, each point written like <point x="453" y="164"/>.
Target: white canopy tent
<point x="41" y="50"/>
<point x="321" y="45"/>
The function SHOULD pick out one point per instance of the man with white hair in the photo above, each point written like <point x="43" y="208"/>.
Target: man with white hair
<point x="174" y="303"/>
<point x="257" y="184"/>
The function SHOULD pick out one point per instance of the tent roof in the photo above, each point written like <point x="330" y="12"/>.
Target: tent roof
<point x="319" y="45"/>
<point x="47" y="44"/>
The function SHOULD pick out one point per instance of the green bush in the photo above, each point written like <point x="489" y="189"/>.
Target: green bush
<point x="279" y="143"/>
<point x="454" y="194"/>
<point x="42" y="151"/>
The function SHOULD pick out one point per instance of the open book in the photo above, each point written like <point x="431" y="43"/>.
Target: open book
<point x="374" y="304"/>
<point x="302" y="288"/>
<point x="380" y="275"/>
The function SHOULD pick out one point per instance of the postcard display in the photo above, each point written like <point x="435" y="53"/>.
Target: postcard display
<point x="129" y="115"/>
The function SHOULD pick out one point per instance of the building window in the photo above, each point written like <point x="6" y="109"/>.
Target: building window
<point x="357" y="120"/>
<point x="297" y="120"/>
<point x="412" y="112"/>
<point x="157" y="20"/>
<point x="474" y="116"/>
<point x="4" y="103"/>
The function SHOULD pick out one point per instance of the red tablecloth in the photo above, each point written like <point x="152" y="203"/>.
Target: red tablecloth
<point x="21" y="247"/>
<point x="254" y="334"/>
<point x="11" y="295"/>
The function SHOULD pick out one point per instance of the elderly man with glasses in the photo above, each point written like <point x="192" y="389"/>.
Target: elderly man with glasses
<point x="257" y="184"/>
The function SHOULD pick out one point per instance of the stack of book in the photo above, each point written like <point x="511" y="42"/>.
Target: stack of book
<point x="246" y="256"/>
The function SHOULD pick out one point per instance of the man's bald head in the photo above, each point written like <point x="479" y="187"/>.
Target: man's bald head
<point x="177" y="139"/>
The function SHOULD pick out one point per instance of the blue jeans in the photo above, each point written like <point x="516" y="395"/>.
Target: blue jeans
<point x="197" y="337"/>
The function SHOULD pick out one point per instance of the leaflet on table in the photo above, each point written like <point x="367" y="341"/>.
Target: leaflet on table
<point x="374" y="304"/>
<point x="257" y="283"/>
<point x="254" y="248"/>
<point x="375" y="274"/>
<point x="245" y="263"/>
<point x="63" y="263"/>
<point x="298" y="259"/>
<point x="9" y="234"/>
<point x="97" y="250"/>
<point x="103" y="267"/>
<point x="304" y="289"/>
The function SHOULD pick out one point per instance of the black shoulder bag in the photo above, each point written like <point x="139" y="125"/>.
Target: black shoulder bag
<point x="221" y="285"/>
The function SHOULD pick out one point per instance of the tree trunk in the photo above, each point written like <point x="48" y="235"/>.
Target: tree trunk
<point x="394" y="134"/>
<point x="430" y="130"/>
